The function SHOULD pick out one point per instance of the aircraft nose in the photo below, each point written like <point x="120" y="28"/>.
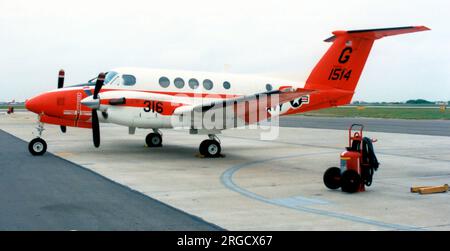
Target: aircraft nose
<point x="34" y="104"/>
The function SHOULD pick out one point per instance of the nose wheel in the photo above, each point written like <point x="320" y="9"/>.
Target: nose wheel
<point x="153" y="140"/>
<point x="37" y="147"/>
<point x="210" y="148"/>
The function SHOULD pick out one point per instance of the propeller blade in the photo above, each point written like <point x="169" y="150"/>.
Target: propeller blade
<point x="63" y="128"/>
<point x="61" y="79"/>
<point x="99" y="84"/>
<point x="95" y="128"/>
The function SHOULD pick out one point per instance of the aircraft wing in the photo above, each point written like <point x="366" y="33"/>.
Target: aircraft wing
<point x="245" y="106"/>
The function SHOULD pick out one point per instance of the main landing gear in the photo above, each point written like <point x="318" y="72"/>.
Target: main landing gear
<point x="154" y="139"/>
<point x="38" y="146"/>
<point x="210" y="148"/>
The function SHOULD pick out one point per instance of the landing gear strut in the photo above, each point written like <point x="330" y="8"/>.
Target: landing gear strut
<point x="211" y="147"/>
<point x="38" y="146"/>
<point x="154" y="139"/>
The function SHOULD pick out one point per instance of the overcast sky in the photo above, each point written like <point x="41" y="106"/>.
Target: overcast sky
<point x="279" y="38"/>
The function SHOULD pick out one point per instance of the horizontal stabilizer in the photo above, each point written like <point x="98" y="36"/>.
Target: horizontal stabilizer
<point x="378" y="33"/>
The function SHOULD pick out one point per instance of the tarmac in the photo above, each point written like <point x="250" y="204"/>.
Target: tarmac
<point x="258" y="185"/>
<point x="50" y="193"/>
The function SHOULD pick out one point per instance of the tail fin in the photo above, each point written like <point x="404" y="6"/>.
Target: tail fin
<point x="342" y="65"/>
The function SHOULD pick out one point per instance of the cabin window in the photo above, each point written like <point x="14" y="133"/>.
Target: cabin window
<point x="207" y="84"/>
<point x="164" y="82"/>
<point x="226" y="85"/>
<point x="179" y="83"/>
<point x="269" y="87"/>
<point x="128" y="80"/>
<point x="193" y="83"/>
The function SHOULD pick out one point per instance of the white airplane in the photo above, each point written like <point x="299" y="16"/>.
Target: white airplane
<point x="204" y="102"/>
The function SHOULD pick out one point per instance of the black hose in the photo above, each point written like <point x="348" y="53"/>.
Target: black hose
<point x="370" y="159"/>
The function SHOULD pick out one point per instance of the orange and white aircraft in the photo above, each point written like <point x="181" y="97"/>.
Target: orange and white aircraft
<point x="206" y="103"/>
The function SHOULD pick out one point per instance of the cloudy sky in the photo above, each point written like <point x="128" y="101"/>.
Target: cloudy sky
<point x="277" y="38"/>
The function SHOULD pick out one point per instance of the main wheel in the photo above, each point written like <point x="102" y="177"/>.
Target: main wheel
<point x="153" y="140"/>
<point x="332" y="178"/>
<point x="210" y="148"/>
<point x="350" y="181"/>
<point x="37" y="146"/>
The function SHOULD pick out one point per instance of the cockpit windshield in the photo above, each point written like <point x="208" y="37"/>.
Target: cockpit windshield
<point x="108" y="78"/>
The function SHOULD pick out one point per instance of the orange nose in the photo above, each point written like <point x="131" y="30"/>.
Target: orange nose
<point x="35" y="104"/>
<point x="57" y="103"/>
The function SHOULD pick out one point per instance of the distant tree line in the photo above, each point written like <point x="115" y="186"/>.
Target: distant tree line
<point x="419" y="102"/>
<point x="410" y="102"/>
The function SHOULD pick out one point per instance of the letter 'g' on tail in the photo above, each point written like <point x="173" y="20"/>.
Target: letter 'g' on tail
<point x="341" y="66"/>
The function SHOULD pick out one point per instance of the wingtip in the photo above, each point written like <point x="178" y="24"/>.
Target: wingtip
<point x="423" y="28"/>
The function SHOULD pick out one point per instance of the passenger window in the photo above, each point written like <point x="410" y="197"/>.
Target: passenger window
<point x="226" y="85"/>
<point x="193" y="83"/>
<point x="164" y="82"/>
<point x="207" y="84"/>
<point x="269" y="87"/>
<point x="129" y="80"/>
<point x="179" y="83"/>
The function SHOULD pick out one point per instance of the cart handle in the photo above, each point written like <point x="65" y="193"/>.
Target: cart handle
<point x="354" y="125"/>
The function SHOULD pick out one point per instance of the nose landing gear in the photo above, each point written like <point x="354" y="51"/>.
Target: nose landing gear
<point x="38" y="146"/>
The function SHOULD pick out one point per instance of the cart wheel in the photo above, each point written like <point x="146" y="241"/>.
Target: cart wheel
<point x="332" y="178"/>
<point x="350" y="181"/>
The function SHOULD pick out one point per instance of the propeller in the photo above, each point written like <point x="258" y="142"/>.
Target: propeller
<point x="61" y="79"/>
<point x="95" y="123"/>
<point x="61" y="75"/>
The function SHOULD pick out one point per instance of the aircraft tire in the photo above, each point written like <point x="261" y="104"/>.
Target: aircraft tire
<point x="153" y="140"/>
<point x="210" y="148"/>
<point x="37" y="147"/>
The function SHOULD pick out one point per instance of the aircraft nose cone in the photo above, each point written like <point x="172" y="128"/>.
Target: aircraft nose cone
<point x="34" y="104"/>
